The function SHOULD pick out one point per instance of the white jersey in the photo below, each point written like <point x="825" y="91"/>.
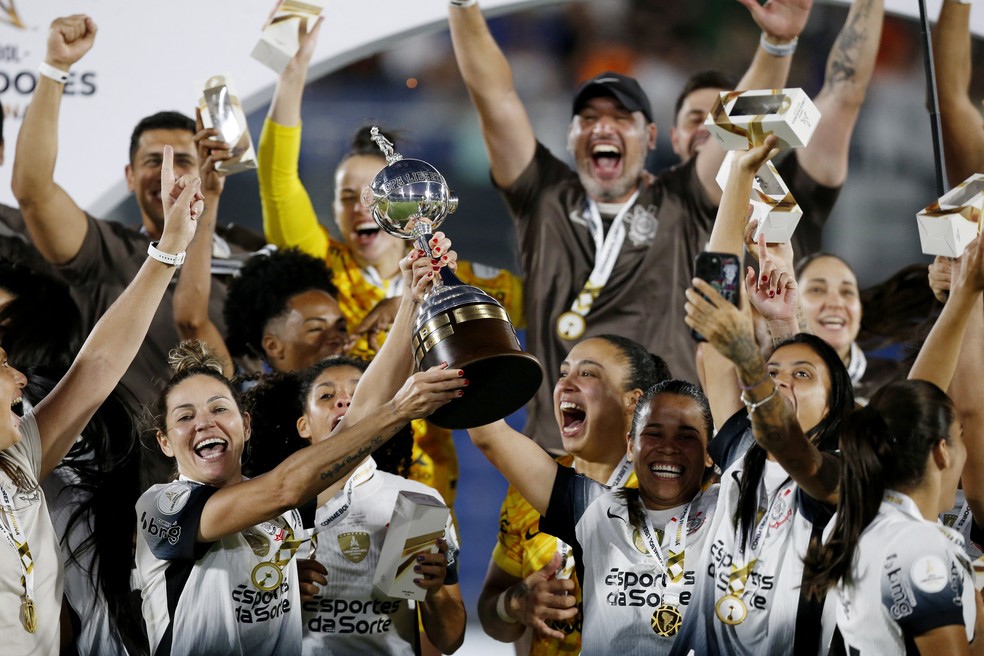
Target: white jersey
<point x="748" y="599"/>
<point x="31" y="513"/>
<point x="96" y="634"/>
<point x="345" y="618"/>
<point x="910" y="576"/>
<point x="622" y="585"/>
<point x="237" y="596"/>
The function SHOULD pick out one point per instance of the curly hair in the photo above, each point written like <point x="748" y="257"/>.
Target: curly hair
<point x="190" y="358"/>
<point x="279" y="399"/>
<point x="262" y="291"/>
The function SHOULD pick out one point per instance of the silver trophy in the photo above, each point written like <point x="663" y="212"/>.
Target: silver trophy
<point x="459" y="324"/>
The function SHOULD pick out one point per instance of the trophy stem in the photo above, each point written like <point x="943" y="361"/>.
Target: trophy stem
<point x="422" y="231"/>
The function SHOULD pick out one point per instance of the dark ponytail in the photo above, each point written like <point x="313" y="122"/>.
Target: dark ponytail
<point x="883" y="445"/>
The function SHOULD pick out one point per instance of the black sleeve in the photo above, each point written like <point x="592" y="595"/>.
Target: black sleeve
<point x="169" y="515"/>
<point x="572" y="494"/>
<point x="732" y="440"/>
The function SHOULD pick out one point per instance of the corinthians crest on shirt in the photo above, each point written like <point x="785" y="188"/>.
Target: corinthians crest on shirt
<point x="354" y="546"/>
<point x="641" y="225"/>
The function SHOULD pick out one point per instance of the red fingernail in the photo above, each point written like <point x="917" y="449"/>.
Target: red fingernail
<point x="437" y="249"/>
<point x="430" y="274"/>
<point x="465" y="382"/>
<point x="437" y="268"/>
<point x="420" y="252"/>
<point x="434" y="240"/>
<point x="765" y="278"/>
<point x="444" y="258"/>
<point x="461" y="372"/>
<point x="771" y="293"/>
<point x="461" y="393"/>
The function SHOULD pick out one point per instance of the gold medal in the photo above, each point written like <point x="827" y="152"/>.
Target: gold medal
<point x="29" y="615"/>
<point x="267" y="576"/>
<point x="730" y="609"/>
<point x="570" y="326"/>
<point x="667" y="620"/>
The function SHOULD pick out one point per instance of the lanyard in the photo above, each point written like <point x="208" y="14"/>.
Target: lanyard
<point x="621" y="472"/>
<point x="365" y="471"/>
<point x="571" y="324"/>
<point x="672" y="566"/>
<point x="392" y="287"/>
<point x="15" y="537"/>
<point x="739" y="575"/>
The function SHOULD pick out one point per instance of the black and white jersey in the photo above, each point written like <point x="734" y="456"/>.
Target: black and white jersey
<point x="345" y="617"/>
<point x="236" y="596"/>
<point x="910" y="576"/>
<point x="622" y="586"/>
<point x="748" y="598"/>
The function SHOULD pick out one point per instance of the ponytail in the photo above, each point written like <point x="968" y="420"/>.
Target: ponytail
<point x="866" y="454"/>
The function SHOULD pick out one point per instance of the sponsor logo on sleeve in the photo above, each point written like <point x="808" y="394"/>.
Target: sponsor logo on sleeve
<point x="173" y="498"/>
<point x="929" y="574"/>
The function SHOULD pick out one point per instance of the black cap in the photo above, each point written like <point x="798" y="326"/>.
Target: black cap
<point x="623" y="88"/>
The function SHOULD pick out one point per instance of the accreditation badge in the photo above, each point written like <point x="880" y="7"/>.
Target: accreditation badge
<point x="570" y="326"/>
<point x="354" y="546"/>
<point x="730" y="609"/>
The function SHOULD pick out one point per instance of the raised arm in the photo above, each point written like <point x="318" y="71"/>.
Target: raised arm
<point x="937" y="359"/>
<point x="963" y="136"/>
<point x="289" y="219"/>
<point x="58" y="226"/>
<point x="849" y="69"/>
<point x="781" y="21"/>
<point x="394" y="361"/>
<point x="509" y="139"/>
<point x="525" y="465"/>
<point x="719" y="380"/>
<point x="115" y="339"/>
<point x="774" y="422"/>
<point x="967" y="392"/>
<point x="191" y="294"/>
<point x="312" y="469"/>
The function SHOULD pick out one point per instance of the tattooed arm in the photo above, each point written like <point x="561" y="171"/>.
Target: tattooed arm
<point x="774" y="423"/>
<point x="849" y="69"/>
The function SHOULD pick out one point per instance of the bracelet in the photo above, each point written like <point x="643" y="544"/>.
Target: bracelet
<point x="500" y="609"/>
<point x="166" y="258"/>
<point x="780" y="50"/>
<point x="752" y="406"/>
<point x="52" y="73"/>
<point x="463" y="4"/>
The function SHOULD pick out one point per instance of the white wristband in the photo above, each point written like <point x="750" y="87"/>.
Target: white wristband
<point x="463" y="4"/>
<point x="52" y="73"/>
<point x="780" y="50"/>
<point x="166" y="258"/>
<point x="500" y="609"/>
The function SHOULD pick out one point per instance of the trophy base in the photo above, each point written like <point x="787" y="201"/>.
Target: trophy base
<point x="498" y="385"/>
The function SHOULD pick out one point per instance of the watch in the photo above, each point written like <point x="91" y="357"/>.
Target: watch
<point x="166" y="258"/>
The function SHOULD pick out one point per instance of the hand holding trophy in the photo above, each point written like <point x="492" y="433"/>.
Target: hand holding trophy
<point x="458" y="323"/>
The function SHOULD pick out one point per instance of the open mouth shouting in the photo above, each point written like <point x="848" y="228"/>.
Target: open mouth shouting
<point x="211" y="448"/>
<point x="833" y="323"/>
<point x="606" y="160"/>
<point x="365" y="232"/>
<point x="573" y="417"/>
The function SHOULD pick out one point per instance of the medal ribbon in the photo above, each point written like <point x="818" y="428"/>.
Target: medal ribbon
<point x="672" y="566"/>
<point x="739" y="575"/>
<point x="607" y="249"/>
<point x="16" y="538"/>
<point x="365" y="471"/>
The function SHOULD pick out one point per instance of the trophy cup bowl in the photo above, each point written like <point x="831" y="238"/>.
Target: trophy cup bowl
<point x="459" y="324"/>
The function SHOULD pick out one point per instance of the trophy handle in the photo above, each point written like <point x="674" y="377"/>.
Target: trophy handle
<point x="447" y="275"/>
